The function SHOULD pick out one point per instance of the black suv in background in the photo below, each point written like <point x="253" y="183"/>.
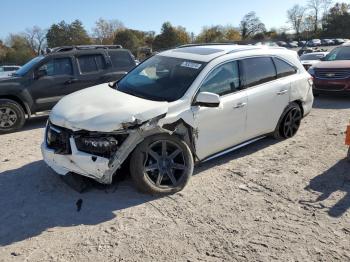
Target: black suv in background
<point x="42" y="82"/>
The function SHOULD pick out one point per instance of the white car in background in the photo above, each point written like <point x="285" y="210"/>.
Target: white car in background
<point x="181" y="106"/>
<point x="7" y="71"/>
<point x="310" y="59"/>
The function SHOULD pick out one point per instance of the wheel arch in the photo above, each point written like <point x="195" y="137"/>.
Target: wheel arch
<point x="300" y="104"/>
<point x="24" y="105"/>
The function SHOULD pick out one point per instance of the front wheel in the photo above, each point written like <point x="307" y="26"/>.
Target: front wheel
<point x="289" y="123"/>
<point x="161" y="164"/>
<point x="12" y="116"/>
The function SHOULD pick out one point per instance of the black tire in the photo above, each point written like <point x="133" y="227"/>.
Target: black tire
<point x="289" y="123"/>
<point x="156" y="170"/>
<point x="12" y="116"/>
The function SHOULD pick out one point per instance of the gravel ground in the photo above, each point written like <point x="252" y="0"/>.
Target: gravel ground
<point x="285" y="201"/>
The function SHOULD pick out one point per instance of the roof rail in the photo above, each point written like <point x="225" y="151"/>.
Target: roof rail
<point x="206" y="44"/>
<point x="81" y="47"/>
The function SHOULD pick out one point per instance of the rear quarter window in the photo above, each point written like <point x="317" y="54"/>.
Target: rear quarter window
<point x="121" y="60"/>
<point x="283" y="68"/>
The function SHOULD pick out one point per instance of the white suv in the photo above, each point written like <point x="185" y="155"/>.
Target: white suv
<point x="179" y="107"/>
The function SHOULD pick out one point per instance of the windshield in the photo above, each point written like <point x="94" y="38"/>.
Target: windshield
<point x="311" y="56"/>
<point x="161" y="78"/>
<point x="340" y="53"/>
<point x="24" y="69"/>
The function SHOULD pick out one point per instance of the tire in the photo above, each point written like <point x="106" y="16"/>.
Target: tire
<point x="12" y="116"/>
<point x="156" y="170"/>
<point x="289" y="123"/>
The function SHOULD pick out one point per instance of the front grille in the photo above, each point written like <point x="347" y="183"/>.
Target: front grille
<point x="330" y="87"/>
<point x="57" y="138"/>
<point x="332" y="73"/>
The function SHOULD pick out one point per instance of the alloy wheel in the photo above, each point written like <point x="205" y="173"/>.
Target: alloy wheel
<point x="165" y="164"/>
<point x="291" y="123"/>
<point x="8" y="117"/>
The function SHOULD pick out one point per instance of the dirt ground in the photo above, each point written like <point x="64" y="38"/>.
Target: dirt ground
<point x="283" y="201"/>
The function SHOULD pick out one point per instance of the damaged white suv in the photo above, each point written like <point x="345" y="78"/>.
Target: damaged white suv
<point x="179" y="107"/>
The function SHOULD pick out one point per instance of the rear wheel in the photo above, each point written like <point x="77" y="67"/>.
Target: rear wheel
<point x="161" y="164"/>
<point x="289" y="123"/>
<point x="12" y="116"/>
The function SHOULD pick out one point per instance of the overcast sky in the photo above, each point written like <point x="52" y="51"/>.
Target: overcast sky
<point x="148" y="15"/>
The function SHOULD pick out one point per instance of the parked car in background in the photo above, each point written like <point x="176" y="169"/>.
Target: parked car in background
<point x="314" y="43"/>
<point x="332" y="75"/>
<point x="327" y="42"/>
<point x="184" y="105"/>
<point x="310" y="59"/>
<point x="282" y="44"/>
<point x="293" y="44"/>
<point x="301" y="43"/>
<point x="266" y="44"/>
<point x="7" y="71"/>
<point x="339" y="41"/>
<point x="43" y="81"/>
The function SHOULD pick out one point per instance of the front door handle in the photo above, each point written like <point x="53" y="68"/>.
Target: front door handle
<point x="282" y="92"/>
<point x="240" y="105"/>
<point x="71" y="81"/>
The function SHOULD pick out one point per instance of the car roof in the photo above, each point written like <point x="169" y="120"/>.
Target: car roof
<point x="206" y="53"/>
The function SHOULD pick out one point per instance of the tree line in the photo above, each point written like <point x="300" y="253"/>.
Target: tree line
<point x="318" y="18"/>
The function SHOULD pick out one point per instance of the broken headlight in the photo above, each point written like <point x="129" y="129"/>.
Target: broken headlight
<point x="100" y="146"/>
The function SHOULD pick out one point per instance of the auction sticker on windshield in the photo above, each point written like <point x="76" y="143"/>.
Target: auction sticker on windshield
<point x="191" y="65"/>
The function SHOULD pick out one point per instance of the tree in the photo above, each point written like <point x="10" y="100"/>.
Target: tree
<point x="3" y="52"/>
<point x="211" y="34"/>
<point x="170" y="36"/>
<point x="36" y="38"/>
<point x="316" y="7"/>
<point x="251" y="25"/>
<point x="232" y="34"/>
<point x="218" y="33"/>
<point x="128" y="39"/>
<point x="337" y="21"/>
<point x="295" y="17"/>
<point x="62" y="34"/>
<point x="105" y="30"/>
<point x="19" y="51"/>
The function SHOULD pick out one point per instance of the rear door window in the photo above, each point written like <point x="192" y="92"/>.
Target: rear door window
<point x="121" y="59"/>
<point x="91" y="63"/>
<point x="257" y="70"/>
<point x="283" y="68"/>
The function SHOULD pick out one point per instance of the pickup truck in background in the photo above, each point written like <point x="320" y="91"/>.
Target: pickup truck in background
<point x="42" y="82"/>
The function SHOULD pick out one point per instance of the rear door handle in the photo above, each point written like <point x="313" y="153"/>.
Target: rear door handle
<point x="240" y="105"/>
<point x="282" y="92"/>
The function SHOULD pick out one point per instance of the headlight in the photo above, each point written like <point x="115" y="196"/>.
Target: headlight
<point x="101" y="146"/>
<point x="311" y="71"/>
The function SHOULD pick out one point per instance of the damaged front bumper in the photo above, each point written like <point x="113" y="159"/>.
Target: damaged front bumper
<point x="97" y="167"/>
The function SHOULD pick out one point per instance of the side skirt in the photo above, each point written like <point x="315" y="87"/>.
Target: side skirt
<point x="232" y="149"/>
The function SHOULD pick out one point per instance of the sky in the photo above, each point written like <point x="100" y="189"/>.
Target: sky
<point x="16" y="16"/>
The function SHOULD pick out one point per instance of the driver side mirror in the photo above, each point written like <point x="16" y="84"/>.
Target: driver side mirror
<point x="207" y="99"/>
<point x="40" y="73"/>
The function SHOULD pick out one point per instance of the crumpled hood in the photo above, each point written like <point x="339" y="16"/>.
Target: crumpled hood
<point x="101" y="108"/>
